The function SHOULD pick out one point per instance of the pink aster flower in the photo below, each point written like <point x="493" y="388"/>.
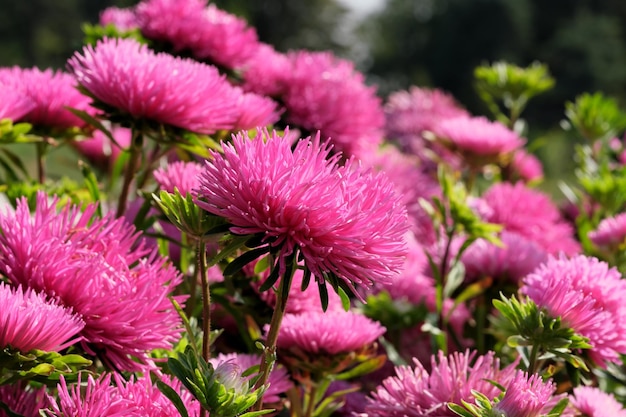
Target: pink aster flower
<point x="531" y="214"/>
<point x="123" y="19"/>
<point x="14" y="104"/>
<point x="611" y="232"/>
<point x="526" y="396"/>
<point x="51" y="92"/>
<point x="126" y="75"/>
<point x="414" y="392"/>
<point x="205" y="31"/>
<point x="181" y="175"/>
<point x="278" y="381"/>
<point x="23" y="399"/>
<point x="477" y="136"/>
<point x="98" y="268"/>
<point x="255" y="111"/>
<point x="263" y="187"/>
<point x="592" y="402"/>
<point x="264" y="73"/>
<point x="526" y="166"/>
<point x="327" y="94"/>
<point x="588" y="296"/>
<point x="331" y="333"/>
<point x="29" y="321"/>
<point x="517" y="258"/>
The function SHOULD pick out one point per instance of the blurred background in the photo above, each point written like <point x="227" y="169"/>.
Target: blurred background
<point x="396" y="43"/>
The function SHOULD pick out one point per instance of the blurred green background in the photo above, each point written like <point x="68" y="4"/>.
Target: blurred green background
<point x="434" y="43"/>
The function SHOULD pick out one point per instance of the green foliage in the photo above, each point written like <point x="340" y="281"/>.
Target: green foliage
<point x="39" y="366"/>
<point x="183" y="213"/>
<point x="94" y="33"/>
<point x="393" y="314"/>
<point x="596" y="116"/>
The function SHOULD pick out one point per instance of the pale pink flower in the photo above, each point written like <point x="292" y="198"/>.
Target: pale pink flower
<point x="592" y="402"/>
<point x="51" y="92"/>
<point x="98" y="268"/>
<point x="255" y="111"/>
<point x="264" y="73"/>
<point x="526" y="396"/>
<point x="23" y="399"/>
<point x="588" y="296"/>
<point x="100" y="150"/>
<point x="531" y="214"/>
<point x="526" y="166"/>
<point x="205" y="31"/>
<point x="279" y="381"/>
<point x="122" y="19"/>
<point x="511" y="262"/>
<point x="331" y="333"/>
<point x="128" y="76"/>
<point x="263" y="187"/>
<point x="478" y="136"/>
<point x="414" y="392"/>
<point x="14" y="104"/>
<point x="611" y="232"/>
<point x="327" y="94"/>
<point x="29" y="321"/>
<point x="180" y="175"/>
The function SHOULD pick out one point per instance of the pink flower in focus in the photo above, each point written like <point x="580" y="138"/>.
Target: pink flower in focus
<point x="122" y="19"/>
<point x="28" y="321"/>
<point x="525" y="396"/>
<point x="526" y="166"/>
<point x="519" y="257"/>
<point x="263" y="187"/>
<point x="98" y="268"/>
<point x="588" y="296"/>
<point x="22" y="399"/>
<point x="51" y="92"/>
<point x="331" y="333"/>
<point x="255" y="111"/>
<point x="414" y="392"/>
<point x="327" y="94"/>
<point x="264" y="73"/>
<point x="179" y="92"/>
<point x="100" y="150"/>
<point x="531" y="214"/>
<point x="478" y="136"/>
<point x="205" y="31"/>
<point x="592" y="402"/>
<point x="13" y="103"/>
<point x="181" y="175"/>
<point x="278" y="380"/>
<point x="611" y="232"/>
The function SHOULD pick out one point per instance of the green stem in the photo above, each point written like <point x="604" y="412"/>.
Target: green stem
<point x="532" y="360"/>
<point x="206" y="300"/>
<point x="133" y="161"/>
<point x="481" y="318"/>
<point x="441" y="339"/>
<point x="41" y="166"/>
<point x="311" y="404"/>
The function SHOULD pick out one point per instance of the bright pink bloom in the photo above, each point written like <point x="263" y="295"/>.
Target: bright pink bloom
<point x="181" y="175"/>
<point x="29" y="321"/>
<point x="531" y="214"/>
<point x="519" y="257"/>
<point x="589" y="297"/>
<point x="526" y="166"/>
<point x="98" y="268"/>
<point x="330" y="333"/>
<point x="205" y="31"/>
<point x="525" y="396"/>
<point x="610" y="231"/>
<point x="51" y="92"/>
<point x="478" y="136"/>
<point x="263" y="187"/>
<point x="278" y="380"/>
<point x="592" y="402"/>
<point x="264" y="73"/>
<point x="122" y="19"/>
<point x="100" y="150"/>
<point x="23" y="399"/>
<point x="414" y="392"/>
<point x="136" y="81"/>
<point x="327" y="94"/>
<point x="255" y="111"/>
<point x="13" y="103"/>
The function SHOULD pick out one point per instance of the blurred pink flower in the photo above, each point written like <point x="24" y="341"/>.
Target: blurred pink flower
<point x="51" y="92"/>
<point x="145" y="85"/>
<point x="526" y="396"/>
<point x="414" y="392"/>
<point x="29" y="321"/>
<point x="588" y="295"/>
<point x="610" y="232"/>
<point x="263" y="187"/>
<point x="205" y="31"/>
<point x="181" y="175"/>
<point x="123" y="19"/>
<point x="14" y="104"/>
<point x="99" y="269"/>
<point x="478" y="136"/>
<point x="592" y="402"/>
<point x="330" y="333"/>
<point x="517" y="258"/>
<point x="255" y="111"/>
<point x="278" y="380"/>
<point x="23" y="399"/>
<point x="327" y="94"/>
<point x="526" y="166"/>
<point x="264" y="73"/>
<point x="100" y="150"/>
<point x="531" y="214"/>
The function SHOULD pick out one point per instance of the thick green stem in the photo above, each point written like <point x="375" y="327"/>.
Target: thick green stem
<point x="129" y="175"/>
<point x="532" y="360"/>
<point x="311" y="391"/>
<point x="41" y="165"/>
<point x="206" y="300"/>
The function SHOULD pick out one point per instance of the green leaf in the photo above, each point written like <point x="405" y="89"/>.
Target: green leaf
<point x="345" y="299"/>
<point x="237" y="264"/>
<point x="455" y="408"/>
<point x="173" y="397"/>
<point x="235" y="242"/>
